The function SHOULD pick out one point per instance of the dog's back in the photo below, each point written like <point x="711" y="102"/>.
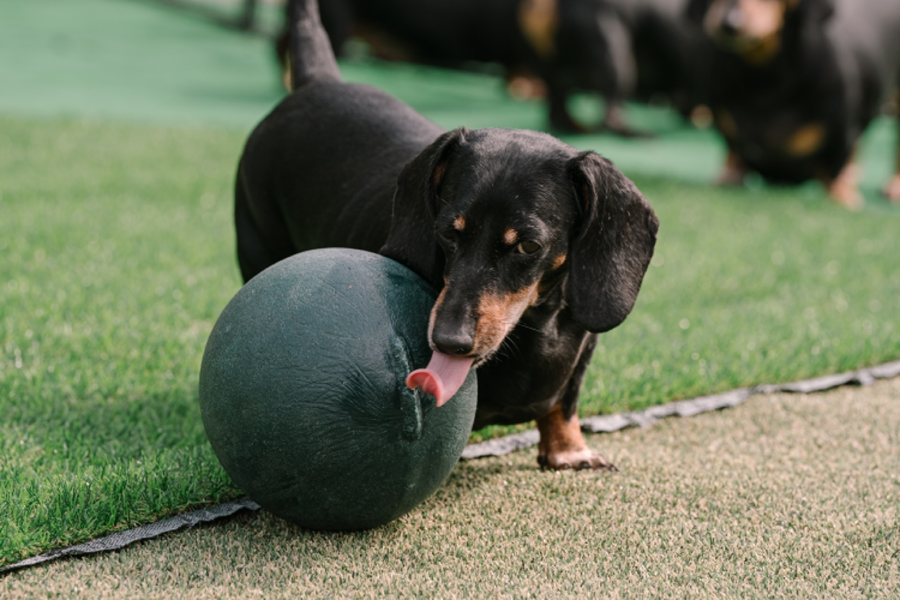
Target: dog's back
<point x="343" y="144"/>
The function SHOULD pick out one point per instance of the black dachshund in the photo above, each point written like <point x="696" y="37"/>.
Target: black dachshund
<point x="534" y="245"/>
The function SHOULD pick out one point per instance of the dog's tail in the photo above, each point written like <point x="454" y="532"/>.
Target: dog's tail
<point x="312" y="58"/>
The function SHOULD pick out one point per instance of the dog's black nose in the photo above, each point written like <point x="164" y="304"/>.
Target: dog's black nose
<point x="457" y="343"/>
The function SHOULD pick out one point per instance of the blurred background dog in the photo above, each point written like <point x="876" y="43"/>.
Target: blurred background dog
<point x="551" y="49"/>
<point x="794" y="83"/>
<point x="790" y="84"/>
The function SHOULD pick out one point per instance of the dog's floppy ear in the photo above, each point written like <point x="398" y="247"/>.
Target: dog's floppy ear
<point x="613" y="247"/>
<point x="411" y="240"/>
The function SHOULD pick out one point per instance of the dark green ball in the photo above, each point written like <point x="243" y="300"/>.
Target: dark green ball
<point x="303" y="395"/>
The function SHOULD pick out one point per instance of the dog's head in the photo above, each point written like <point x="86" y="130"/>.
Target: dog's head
<point x="753" y="28"/>
<point x="505" y="221"/>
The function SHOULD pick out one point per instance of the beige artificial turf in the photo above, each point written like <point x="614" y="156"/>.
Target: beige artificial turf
<point x="784" y="496"/>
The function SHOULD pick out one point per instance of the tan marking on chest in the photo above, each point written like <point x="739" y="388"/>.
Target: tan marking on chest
<point x="806" y="140"/>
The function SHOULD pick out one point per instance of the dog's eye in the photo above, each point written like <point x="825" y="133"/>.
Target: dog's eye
<point x="528" y="247"/>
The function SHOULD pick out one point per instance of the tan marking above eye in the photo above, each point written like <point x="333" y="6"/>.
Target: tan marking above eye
<point x="459" y="223"/>
<point x="558" y="261"/>
<point x="510" y="237"/>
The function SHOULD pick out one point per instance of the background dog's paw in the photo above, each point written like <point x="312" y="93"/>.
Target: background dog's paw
<point x="848" y="197"/>
<point x="731" y="176"/>
<point x="892" y="189"/>
<point x="575" y="459"/>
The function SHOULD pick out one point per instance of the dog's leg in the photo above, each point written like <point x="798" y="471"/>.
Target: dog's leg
<point x="256" y="249"/>
<point x="614" y="121"/>
<point x="562" y="444"/>
<point x="844" y="188"/>
<point x="524" y="85"/>
<point x="892" y="189"/>
<point x="561" y="119"/>
<point x="734" y="171"/>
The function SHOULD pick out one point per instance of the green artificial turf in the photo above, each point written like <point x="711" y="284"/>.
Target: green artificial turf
<point x="751" y="287"/>
<point x="785" y="496"/>
<point x="117" y="255"/>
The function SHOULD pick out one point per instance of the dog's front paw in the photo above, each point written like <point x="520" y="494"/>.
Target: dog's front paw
<point x="731" y="176"/>
<point x="733" y="172"/>
<point x="846" y="196"/>
<point x="892" y="189"/>
<point x="576" y="460"/>
<point x="844" y="189"/>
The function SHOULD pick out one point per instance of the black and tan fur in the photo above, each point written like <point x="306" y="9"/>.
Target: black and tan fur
<point x="794" y="84"/>
<point x="534" y="246"/>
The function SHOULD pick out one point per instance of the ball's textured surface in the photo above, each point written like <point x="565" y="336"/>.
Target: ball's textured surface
<point x="303" y="397"/>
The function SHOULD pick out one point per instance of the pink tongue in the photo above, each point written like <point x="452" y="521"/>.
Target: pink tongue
<point x="442" y="378"/>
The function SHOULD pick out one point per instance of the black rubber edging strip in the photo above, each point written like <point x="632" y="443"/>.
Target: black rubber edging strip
<point x="685" y="408"/>
<point x="121" y="539"/>
<point x="495" y="447"/>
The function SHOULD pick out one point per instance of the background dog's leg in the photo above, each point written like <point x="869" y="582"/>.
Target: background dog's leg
<point x="614" y="120"/>
<point x="734" y="171"/>
<point x="844" y="189"/>
<point x="561" y="119"/>
<point x="892" y="189"/>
